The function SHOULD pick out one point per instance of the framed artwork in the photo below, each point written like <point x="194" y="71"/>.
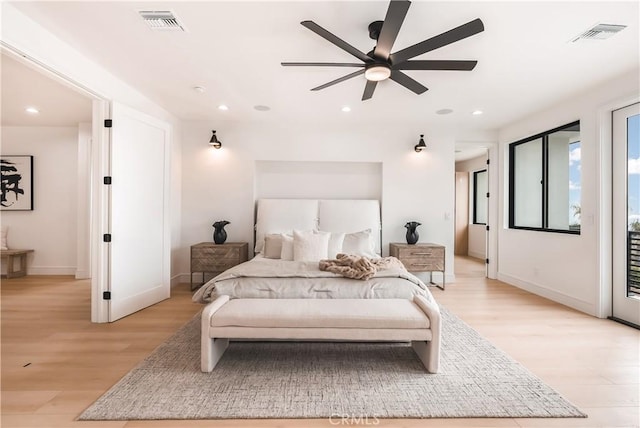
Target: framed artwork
<point x="17" y="183"/>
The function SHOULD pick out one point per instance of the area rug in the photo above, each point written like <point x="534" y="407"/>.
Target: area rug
<point x="330" y="380"/>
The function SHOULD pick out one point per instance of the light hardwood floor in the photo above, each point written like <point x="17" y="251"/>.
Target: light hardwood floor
<point x="55" y="362"/>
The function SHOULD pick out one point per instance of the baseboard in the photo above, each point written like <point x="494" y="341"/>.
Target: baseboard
<point x="51" y="270"/>
<point x="556" y="296"/>
<point x="179" y="279"/>
<point x="82" y="274"/>
<point x="476" y="255"/>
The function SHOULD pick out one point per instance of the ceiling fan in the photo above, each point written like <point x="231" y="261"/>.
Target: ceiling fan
<point x="380" y="63"/>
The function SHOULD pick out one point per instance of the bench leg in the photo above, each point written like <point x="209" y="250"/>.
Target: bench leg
<point x="428" y="354"/>
<point x="212" y="351"/>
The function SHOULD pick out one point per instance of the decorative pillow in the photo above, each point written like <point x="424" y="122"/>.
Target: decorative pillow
<point x="3" y="233"/>
<point x="335" y="244"/>
<point x="310" y="246"/>
<point x="287" y="247"/>
<point x="272" y="246"/>
<point x="359" y="244"/>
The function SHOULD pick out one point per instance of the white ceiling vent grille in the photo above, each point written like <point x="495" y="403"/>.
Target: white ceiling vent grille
<point x="600" y="32"/>
<point x="161" y="20"/>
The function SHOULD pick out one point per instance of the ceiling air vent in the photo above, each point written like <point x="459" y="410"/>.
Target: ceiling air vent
<point x="600" y="32"/>
<point x="161" y="20"/>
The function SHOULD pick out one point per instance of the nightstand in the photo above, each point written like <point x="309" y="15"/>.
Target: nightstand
<point x="421" y="258"/>
<point x="207" y="257"/>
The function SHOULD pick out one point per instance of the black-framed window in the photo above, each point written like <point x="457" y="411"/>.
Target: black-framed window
<point x="480" y="190"/>
<point x="545" y="181"/>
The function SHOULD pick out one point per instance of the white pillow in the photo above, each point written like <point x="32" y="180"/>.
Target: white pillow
<point x="335" y="244"/>
<point x="310" y="246"/>
<point x="272" y="246"/>
<point x="3" y="233"/>
<point x="287" y="247"/>
<point x="359" y="244"/>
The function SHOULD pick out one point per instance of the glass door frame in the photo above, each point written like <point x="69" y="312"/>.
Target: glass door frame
<point x="623" y="308"/>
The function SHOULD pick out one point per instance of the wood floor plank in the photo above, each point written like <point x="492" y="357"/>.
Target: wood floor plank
<point x="46" y="324"/>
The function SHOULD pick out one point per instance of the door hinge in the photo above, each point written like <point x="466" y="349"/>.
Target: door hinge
<point x="488" y="161"/>
<point x="487" y="227"/>
<point x="486" y="261"/>
<point x="108" y="123"/>
<point x="487" y="194"/>
<point x="107" y="180"/>
<point x="106" y="295"/>
<point x="106" y="237"/>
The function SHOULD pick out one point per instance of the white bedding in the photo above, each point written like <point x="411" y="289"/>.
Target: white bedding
<point x="281" y="279"/>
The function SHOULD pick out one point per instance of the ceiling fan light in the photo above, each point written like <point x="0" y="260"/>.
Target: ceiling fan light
<point x="377" y="73"/>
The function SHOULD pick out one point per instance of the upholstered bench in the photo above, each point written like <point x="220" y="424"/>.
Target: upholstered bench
<point x="397" y="320"/>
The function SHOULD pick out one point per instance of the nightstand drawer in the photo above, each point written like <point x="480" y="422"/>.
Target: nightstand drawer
<point x="218" y="252"/>
<point x="420" y="253"/>
<point x="426" y="264"/>
<point x="208" y="265"/>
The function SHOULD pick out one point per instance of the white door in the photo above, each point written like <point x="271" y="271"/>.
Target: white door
<point x="139" y="252"/>
<point x="626" y="214"/>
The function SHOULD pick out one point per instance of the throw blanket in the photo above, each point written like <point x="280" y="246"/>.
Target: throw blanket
<point x="358" y="267"/>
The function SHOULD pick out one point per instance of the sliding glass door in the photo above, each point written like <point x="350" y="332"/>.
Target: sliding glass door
<point x="626" y="214"/>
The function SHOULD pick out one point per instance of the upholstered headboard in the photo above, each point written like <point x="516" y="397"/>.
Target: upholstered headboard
<point x="331" y="215"/>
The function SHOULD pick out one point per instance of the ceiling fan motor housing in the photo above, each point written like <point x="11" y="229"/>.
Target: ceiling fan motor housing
<point x="374" y="29"/>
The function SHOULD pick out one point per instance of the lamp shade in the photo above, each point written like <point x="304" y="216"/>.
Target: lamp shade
<point x="214" y="142"/>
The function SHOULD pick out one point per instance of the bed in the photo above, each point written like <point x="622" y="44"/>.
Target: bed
<point x="265" y="276"/>
<point x="283" y="294"/>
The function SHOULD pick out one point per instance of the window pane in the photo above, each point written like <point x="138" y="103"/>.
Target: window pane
<point x="528" y="186"/>
<point x="564" y="180"/>
<point x="480" y="195"/>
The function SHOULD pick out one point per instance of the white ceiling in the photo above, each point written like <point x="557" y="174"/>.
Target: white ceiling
<point x="234" y="49"/>
<point x="24" y="87"/>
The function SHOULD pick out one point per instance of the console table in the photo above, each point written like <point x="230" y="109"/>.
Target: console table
<point x="11" y="255"/>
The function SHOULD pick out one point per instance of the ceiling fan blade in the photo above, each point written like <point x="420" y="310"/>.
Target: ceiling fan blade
<point x="462" y="32"/>
<point x="335" y="40"/>
<point x="341" y="79"/>
<point x="320" y="64"/>
<point x="368" y="89"/>
<point x="436" y="65"/>
<point x="408" y="82"/>
<point x="391" y="27"/>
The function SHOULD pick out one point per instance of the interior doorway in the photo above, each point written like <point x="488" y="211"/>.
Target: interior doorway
<point x="51" y="122"/>
<point x="471" y="203"/>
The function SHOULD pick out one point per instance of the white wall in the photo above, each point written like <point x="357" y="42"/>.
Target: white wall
<point x="22" y="33"/>
<point x="477" y="246"/>
<point x="220" y="184"/>
<point x="563" y="267"/>
<point x="50" y="229"/>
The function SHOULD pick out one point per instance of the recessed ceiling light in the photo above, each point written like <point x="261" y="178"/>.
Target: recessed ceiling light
<point x="262" y="108"/>
<point x="200" y="89"/>
<point x="32" y="110"/>
<point x="346" y="109"/>
<point x="223" y="107"/>
<point x="476" y="112"/>
<point x="444" y="111"/>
